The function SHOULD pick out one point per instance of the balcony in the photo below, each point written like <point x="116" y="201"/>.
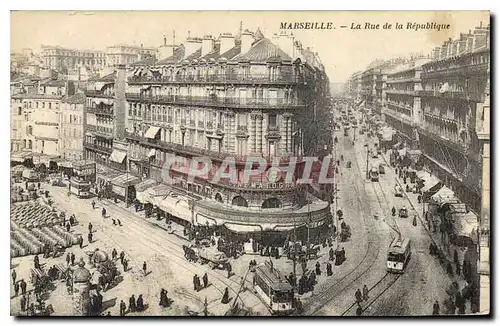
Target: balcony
<point x="95" y="147"/>
<point x="90" y="128"/>
<point x="401" y="92"/>
<point x="402" y="80"/>
<point x="456" y="71"/>
<point x="101" y="111"/>
<point x="194" y="151"/>
<point x="95" y="93"/>
<point x="286" y="79"/>
<point x="229" y="102"/>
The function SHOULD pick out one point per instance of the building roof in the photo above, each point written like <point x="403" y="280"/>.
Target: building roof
<point x="108" y="78"/>
<point x="195" y="55"/>
<point x="148" y="61"/>
<point x="53" y="82"/>
<point x="37" y="96"/>
<point x="264" y="50"/>
<point x="75" y="99"/>
<point x="176" y="57"/>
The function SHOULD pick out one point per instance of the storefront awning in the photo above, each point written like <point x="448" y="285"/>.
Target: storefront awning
<point x="125" y="180"/>
<point x="466" y="225"/>
<point x="238" y="228"/>
<point x="144" y="185"/>
<point x="20" y="156"/>
<point x="152" y="152"/>
<point x="159" y="190"/>
<point x="431" y="184"/>
<point x="176" y="206"/>
<point x="117" y="156"/>
<point x="151" y="132"/>
<point x="423" y="175"/>
<point x="444" y="196"/>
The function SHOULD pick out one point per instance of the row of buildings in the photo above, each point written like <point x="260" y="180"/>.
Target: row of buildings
<point x="439" y="106"/>
<point x="236" y="96"/>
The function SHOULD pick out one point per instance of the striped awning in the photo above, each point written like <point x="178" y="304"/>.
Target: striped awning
<point x="117" y="156"/>
<point x="152" y="132"/>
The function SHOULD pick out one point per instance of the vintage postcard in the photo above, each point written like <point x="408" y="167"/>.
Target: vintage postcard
<point x="279" y="164"/>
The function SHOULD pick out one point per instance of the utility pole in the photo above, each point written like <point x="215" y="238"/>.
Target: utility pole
<point x="367" y="152"/>
<point x="294" y="248"/>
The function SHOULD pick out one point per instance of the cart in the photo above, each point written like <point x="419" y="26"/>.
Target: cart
<point x="403" y="212"/>
<point x="212" y="257"/>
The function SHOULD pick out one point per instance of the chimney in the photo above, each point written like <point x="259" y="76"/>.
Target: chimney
<point x="191" y="46"/>
<point x="246" y="41"/>
<point x="226" y="42"/>
<point x="207" y="45"/>
<point x="165" y="51"/>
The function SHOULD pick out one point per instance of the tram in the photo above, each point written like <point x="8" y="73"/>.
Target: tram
<point x="273" y="289"/>
<point x="399" y="255"/>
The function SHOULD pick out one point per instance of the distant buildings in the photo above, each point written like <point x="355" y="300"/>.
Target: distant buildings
<point x="62" y="59"/>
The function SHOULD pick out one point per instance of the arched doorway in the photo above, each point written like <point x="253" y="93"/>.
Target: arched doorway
<point x="271" y="203"/>
<point x="239" y="201"/>
<point x="218" y="197"/>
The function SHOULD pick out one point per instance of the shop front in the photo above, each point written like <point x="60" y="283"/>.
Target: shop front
<point x="123" y="189"/>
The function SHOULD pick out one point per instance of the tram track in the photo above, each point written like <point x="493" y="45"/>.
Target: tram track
<point x="173" y="249"/>
<point x="365" y="264"/>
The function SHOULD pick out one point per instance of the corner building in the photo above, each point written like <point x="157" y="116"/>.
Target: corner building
<point x="234" y="97"/>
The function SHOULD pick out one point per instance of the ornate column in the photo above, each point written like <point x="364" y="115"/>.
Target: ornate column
<point x="260" y="136"/>
<point x="253" y="132"/>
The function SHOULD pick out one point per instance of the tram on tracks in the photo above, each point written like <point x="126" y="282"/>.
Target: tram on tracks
<point x="274" y="290"/>
<point x="399" y="255"/>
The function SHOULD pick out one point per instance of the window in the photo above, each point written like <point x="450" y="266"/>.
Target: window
<point x="50" y="105"/>
<point x="19" y="111"/>
<point x="218" y="198"/>
<point x="272" y="120"/>
<point x="271" y="203"/>
<point x="242" y="120"/>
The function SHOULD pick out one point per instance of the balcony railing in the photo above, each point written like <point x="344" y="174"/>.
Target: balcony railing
<point x="194" y="151"/>
<point x="455" y="71"/>
<point x="401" y="91"/>
<point x="95" y="93"/>
<point x="219" y="78"/>
<point x="233" y="102"/>
<point x="100" y="111"/>
<point x="402" y="80"/>
<point x="99" y="148"/>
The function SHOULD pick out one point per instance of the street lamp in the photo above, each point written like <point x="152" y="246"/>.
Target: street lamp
<point x="367" y="151"/>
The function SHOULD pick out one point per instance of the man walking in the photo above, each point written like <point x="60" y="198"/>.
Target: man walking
<point x="123" y="308"/>
<point x="145" y="268"/>
<point x="14" y="275"/>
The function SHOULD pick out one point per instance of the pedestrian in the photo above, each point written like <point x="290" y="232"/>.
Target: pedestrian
<point x="114" y="222"/>
<point x="140" y="303"/>
<point x="145" y="268"/>
<point x="68" y="258"/>
<point x="329" y="271"/>
<point x="36" y="261"/>
<point x="225" y="297"/>
<point x="414" y="220"/>
<point x="123" y="308"/>
<point x="38" y="185"/>
<point x="68" y="227"/>
<point x="125" y="265"/>
<point x="23" y="286"/>
<point x="419" y="199"/>
<point x="14" y="275"/>
<point x="122" y="255"/>
<point x="164" y="298"/>
<point x="365" y="293"/>
<point x="195" y="286"/>
<point x="331" y="254"/>
<point x="435" y="308"/>
<point x="318" y="269"/>
<point x="90" y="227"/>
<point x="93" y="204"/>
<point x="393" y="211"/>
<point x="80" y="241"/>
<point x="23" y="303"/>
<point x="358" y="296"/>
<point x="119" y="222"/>
<point x="103" y="212"/>
<point x="205" y="280"/>
<point x="72" y="259"/>
<point x="114" y="253"/>
<point x="229" y="269"/>
<point x="132" y="304"/>
<point x="16" y="289"/>
<point x="90" y="237"/>
<point x="359" y="311"/>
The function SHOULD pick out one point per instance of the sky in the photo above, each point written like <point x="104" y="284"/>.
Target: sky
<point x="343" y="51"/>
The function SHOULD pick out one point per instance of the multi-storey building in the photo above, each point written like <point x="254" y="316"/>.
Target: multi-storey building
<point x="72" y="115"/>
<point x="402" y="109"/>
<point x="452" y="102"/>
<point x="99" y="116"/>
<point x="58" y="58"/>
<point x="17" y="124"/>
<point x="236" y="99"/>
<point x="123" y="54"/>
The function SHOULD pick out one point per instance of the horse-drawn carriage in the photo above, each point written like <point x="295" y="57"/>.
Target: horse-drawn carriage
<point x="299" y="252"/>
<point x="204" y="255"/>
